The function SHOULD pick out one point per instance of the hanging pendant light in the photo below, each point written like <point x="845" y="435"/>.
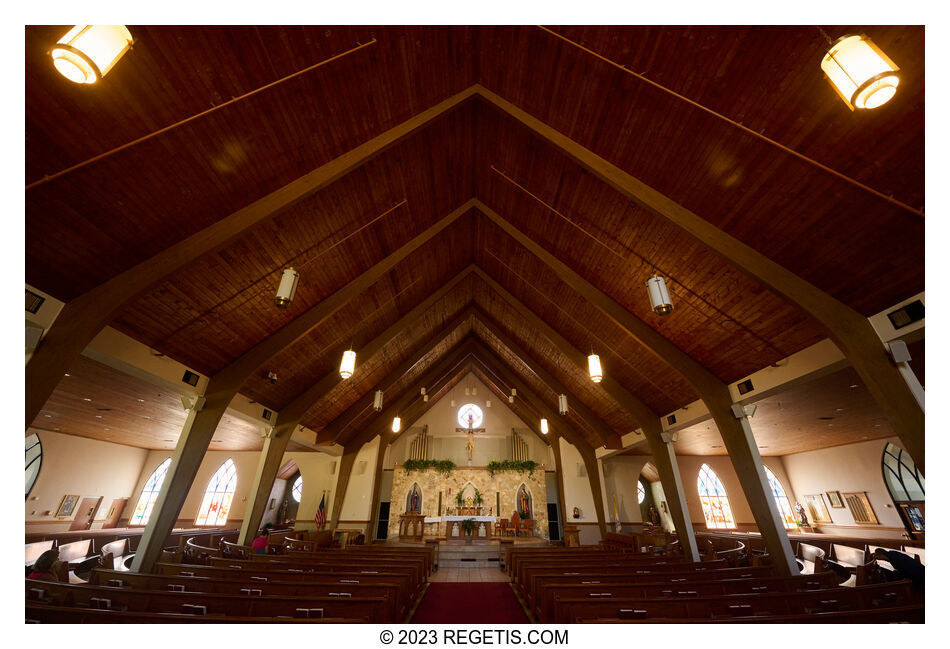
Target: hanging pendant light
<point x="452" y="402"/>
<point x="87" y="52"/>
<point x="488" y="403"/>
<point x="467" y="391"/>
<point x="861" y="74"/>
<point x="348" y="364"/>
<point x="593" y="366"/>
<point x="562" y="404"/>
<point x="511" y="398"/>
<point x="659" y="296"/>
<point x="287" y="288"/>
<point x="397" y="424"/>
<point x="425" y="398"/>
<point x="378" y="401"/>
<point x="544" y="426"/>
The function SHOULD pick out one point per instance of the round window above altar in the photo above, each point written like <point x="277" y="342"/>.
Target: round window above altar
<point x="470" y="415"/>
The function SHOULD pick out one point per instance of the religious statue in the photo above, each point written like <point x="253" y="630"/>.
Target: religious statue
<point x="654" y="515"/>
<point x="470" y="445"/>
<point x="801" y="514"/>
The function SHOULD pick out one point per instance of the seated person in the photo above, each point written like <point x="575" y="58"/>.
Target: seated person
<point x="905" y="567"/>
<point x="48" y="567"/>
<point x="261" y="542"/>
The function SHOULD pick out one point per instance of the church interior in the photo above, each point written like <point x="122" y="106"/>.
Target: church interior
<point x="497" y="312"/>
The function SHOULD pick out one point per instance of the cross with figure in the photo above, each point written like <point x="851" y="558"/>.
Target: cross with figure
<point x="470" y="432"/>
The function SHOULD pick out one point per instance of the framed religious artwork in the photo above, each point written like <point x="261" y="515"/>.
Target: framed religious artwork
<point x="834" y="497"/>
<point x="816" y="507"/>
<point x="67" y="506"/>
<point x="860" y="508"/>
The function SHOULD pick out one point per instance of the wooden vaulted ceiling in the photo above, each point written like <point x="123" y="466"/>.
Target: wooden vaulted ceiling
<point x="86" y="226"/>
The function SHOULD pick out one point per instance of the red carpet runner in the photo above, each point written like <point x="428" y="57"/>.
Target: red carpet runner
<point x="469" y="603"/>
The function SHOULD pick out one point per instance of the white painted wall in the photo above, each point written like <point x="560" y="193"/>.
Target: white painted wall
<point x="359" y="497"/>
<point x="319" y="472"/>
<point x="620" y="482"/>
<point x="578" y="494"/>
<point x="86" y="467"/>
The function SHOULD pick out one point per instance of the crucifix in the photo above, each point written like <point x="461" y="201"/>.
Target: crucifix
<point x="470" y="431"/>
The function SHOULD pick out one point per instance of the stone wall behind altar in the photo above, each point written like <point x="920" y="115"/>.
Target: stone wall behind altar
<point x="506" y="484"/>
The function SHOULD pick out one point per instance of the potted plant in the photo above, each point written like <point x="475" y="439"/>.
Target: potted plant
<point x="459" y="502"/>
<point x="477" y="499"/>
<point x="468" y="528"/>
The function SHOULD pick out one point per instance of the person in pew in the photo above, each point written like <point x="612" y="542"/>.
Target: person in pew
<point x="48" y="567"/>
<point x="260" y="543"/>
<point x="905" y="567"/>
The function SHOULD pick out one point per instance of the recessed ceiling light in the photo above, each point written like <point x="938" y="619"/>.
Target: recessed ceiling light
<point x="853" y="386"/>
<point x="98" y="416"/>
<point x="66" y="374"/>
<point x="141" y="400"/>
<point x="107" y="429"/>
<point x="48" y="416"/>
<point x="86" y="399"/>
<point x="147" y="417"/>
<point x="839" y="409"/>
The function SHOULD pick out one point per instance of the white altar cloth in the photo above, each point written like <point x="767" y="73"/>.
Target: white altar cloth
<point x="477" y="519"/>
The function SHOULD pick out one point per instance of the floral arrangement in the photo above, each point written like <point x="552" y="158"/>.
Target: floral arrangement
<point x="477" y="499"/>
<point x="526" y="466"/>
<point x="468" y="526"/>
<point x="442" y="466"/>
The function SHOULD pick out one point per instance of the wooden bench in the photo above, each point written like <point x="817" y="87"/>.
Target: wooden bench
<point x="47" y="614"/>
<point x="621" y="542"/>
<point x="913" y="614"/>
<point x="88" y="596"/>
<point x="34" y="550"/>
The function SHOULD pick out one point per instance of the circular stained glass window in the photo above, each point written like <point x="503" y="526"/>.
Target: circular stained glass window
<point x="641" y="493"/>
<point x="297" y="490"/>
<point x="470" y="415"/>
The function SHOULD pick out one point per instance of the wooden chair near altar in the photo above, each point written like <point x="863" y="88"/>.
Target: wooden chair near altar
<point x="515" y="525"/>
<point x="527" y="527"/>
<point x="502" y="526"/>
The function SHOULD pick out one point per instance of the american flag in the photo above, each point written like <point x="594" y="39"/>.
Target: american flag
<point x="321" y="518"/>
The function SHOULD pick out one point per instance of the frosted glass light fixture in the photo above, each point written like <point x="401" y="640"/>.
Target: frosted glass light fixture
<point x="397" y="424"/>
<point x="593" y="366"/>
<point x="544" y="426"/>
<point x="86" y="53"/>
<point x="287" y="288"/>
<point x="378" y="401"/>
<point x="861" y="74"/>
<point x="348" y="364"/>
<point x="562" y="404"/>
<point x="659" y="296"/>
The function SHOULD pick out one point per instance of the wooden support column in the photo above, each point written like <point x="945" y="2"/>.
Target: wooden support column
<point x="384" y="441"/>
<point x="596" y="487"/>
<point x="350" y="451"/>
<point x="84" y="317"/>
<point x="848" y="329"/>
<point x="649" y="421"/>
<point x="272" y="455"/>
<point x="559" y="471"/>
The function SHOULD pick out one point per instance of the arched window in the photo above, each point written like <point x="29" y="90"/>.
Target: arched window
<point x="34" y="458"/>
<point x="641" y="493"/>
<point x="713" y="497"/>
<point x="906" y="486"/>
<point x="217" y="501"/>
<point x="781" y="500"/>
<point x="150" y="494"/>
<point x="296" y="492"/>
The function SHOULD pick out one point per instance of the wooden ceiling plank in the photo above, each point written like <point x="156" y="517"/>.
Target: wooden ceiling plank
<point x="81" y="319"/>
<point x="849" y="330"/>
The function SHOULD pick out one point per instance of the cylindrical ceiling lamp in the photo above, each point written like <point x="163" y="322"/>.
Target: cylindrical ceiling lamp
<point x="425" y="398"/>
<point x="511" y="398"/>
<point x="861" y="74"/>
<point x="488" y="403"/>
<point x="452" y="402"/>
<point x="562" y="404"/>
<point x="287" y="288"/>
<point x="593" y="366"/>
<point x="468" y="391"/>
<point x="659" y="296"/>
<point x="378" y="401"/>
<point x="544" y="426"/>
<point x="397" y="424"/>
<point x="348" y="364"/>
<point x="87" y="52"/>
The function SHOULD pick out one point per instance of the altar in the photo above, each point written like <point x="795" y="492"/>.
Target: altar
<point x="452" y="521"/>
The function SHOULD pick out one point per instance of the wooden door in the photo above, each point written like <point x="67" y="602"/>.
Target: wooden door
<point x="115" y="512"/>
<point x="85" y="513"/>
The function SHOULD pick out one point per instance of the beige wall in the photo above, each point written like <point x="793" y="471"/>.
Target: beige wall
<point x="578" y="494"/>
<point x="359" y="495"/>
<point x="620" y="483"/>
<point x="319" y="472"/>
<point x="85" y="467"/>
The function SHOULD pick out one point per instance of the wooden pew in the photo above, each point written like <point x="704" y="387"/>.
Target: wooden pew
<point x="46" y="614"/>
<point x="744" y="605"/>
<point x="396" y="608"/>
<point x="913" y="614"/>
<point x="34" y="550"/>
<point x="310" y="548"/>
<point x="549" y="593"/>
<point x="621" y="542"/>
<point x="88" y="596"/>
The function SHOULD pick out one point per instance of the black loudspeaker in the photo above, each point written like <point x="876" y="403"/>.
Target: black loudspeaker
<point x="554" y="523"/>
<point x="382" y="527"/>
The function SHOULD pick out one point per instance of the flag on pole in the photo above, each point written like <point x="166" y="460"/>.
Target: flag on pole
<point x="617" y="525"/>
<point x="321" y="518"/>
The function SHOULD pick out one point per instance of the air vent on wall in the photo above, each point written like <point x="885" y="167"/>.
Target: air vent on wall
<point x="745" y="387"/>
<point x="33" y="301"/>
<point x="267" y="414"/>
<point x="190" y="378"/>
<point x="907" y="314"/>
<point x="671" y="420"/>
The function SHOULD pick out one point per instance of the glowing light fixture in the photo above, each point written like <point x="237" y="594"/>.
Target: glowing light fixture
<point x="593" y="366"/>
<point x="287" y="288"/>
<point x="87" y="52"/>
<point x="511" y="398"/>
<point x="397" y="424"/>
<point x="348" y="364"/>
<point x="659" y="296"/>
<point x="861" y="74"/>
<point x="378" y="401"/>
<point x="544" y="426"/>
<point x="488" y="403"/>
<point x="562" y="404"/>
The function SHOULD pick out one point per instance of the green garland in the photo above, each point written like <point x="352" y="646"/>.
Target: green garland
<point x="511" y="465"/>
<point x="442" y="466"/>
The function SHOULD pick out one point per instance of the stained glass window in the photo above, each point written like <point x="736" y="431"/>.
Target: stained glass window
<point x="34" y="458"/>
<point x="150" y="494"/>
<point x="297" y="490"/>
<point x="470" y="415"/>
<point x="217" y="501"/>
<point x="713" y="497"/>
<point x="781" y="500"/>
<point x="641" y="494"/>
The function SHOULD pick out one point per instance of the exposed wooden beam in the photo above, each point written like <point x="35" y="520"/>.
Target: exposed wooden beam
<point x="82" y="318"/>
<point x="849" y="330"/>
